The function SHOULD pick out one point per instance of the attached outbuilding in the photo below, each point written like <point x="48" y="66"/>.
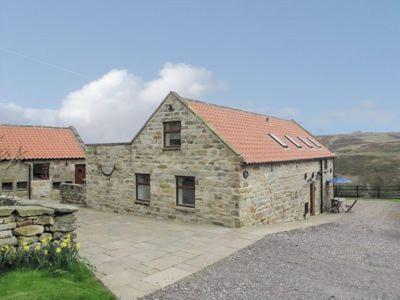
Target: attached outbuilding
<point x="36" y="160"/>
<point x="201" y="162"/>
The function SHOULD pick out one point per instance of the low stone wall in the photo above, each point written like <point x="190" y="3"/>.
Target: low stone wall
<point x="73" y="194"/>
<point x="29" y="221"/>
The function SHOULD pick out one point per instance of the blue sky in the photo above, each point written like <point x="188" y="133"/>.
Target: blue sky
<point x="332" y="65"/>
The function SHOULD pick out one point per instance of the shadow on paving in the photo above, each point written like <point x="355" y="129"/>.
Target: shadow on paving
<point x="357" y="257"/>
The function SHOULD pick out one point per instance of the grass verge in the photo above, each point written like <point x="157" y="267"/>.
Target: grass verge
<point x="76" y="283"/>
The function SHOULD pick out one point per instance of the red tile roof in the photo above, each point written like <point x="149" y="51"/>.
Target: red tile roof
<point x="251" y="135"/>
<point x="38" y="142"/>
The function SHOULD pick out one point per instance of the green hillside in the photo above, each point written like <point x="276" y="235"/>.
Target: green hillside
<point x="367" y="158"/>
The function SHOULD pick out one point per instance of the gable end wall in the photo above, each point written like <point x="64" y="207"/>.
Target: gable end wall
<point x="202" y="155"/>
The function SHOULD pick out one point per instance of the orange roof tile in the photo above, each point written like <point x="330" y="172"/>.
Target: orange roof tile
<point x="248" y="134"/>
<point x="36" y="142"/>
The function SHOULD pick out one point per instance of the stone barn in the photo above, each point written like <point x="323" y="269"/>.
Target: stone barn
<point x="201" y="162"/>
<point x="35" y="160"/>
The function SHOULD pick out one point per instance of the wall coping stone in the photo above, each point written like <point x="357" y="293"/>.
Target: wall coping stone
<point x="6" y="211"/>
<point x="27" y="211"/>
<point x="11" y="204"/>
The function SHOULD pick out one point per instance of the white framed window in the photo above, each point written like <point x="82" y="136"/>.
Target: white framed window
<point x="185" y="191"/>
<point x="305" y="142"/>
<point x="314" y="142"/>
<point x="278" y="140"/>
<point x="294" y="142"/>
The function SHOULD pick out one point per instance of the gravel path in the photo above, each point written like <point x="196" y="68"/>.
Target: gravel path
<point x="357" y="257"/>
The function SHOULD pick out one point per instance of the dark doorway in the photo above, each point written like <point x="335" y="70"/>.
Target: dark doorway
<point x="80" y="173"/>
<point x="312" y="199"/>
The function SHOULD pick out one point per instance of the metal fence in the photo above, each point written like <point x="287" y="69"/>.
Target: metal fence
<point x="360" y="191"/>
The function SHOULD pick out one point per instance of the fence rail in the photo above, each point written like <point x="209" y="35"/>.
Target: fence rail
<point x="360" y="191"/>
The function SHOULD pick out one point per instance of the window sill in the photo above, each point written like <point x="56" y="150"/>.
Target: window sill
<point x="186" y="209"/>
<point x="171" y="149"/>
<point x="142" y="202"/>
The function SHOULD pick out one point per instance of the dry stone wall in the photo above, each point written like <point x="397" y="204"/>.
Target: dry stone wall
<point x="28" y="221"/>
<point x="73" y="194"/>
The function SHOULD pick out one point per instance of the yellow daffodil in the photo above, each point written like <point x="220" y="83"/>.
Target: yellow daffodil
<point x="63" y="244"/>
<point x="24" y="244"/>
<point x="58" y="250"/>
<point x="26" y="248"/>
<point x="45" y="252"/>
<point x="37" y="248"/>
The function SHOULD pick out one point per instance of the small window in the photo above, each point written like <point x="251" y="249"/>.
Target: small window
<point x="325" y="164"/>
<point x="56" y="185"/>
<point x="278" y="140"/>
<point x="22" y="186"/>
<point x="293" y="141"/>
<point x="7" y="186"/>
<point x="314" y="142"/>
<point x="185" y="191"/>
<point x="143" y="187"/>
<point x="70" y="182"/>
<point x="172" y="134"/>
<point x="306" y="142"/>
<point x="40" y="171"/>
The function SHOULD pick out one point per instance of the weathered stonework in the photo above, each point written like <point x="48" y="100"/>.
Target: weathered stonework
<point x="202" y="155"/>
<point x="271" y="193"/>
<point x="60" y="171"/>
<point x="23" y="223"/>
<point x="278" y="192"/>
<point x="73" y="194"/>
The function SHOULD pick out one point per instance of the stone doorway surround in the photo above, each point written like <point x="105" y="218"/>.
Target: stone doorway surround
<point x="135" y="256"/>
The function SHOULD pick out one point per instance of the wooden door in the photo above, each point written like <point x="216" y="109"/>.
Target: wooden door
<point x="312" y="199"/>
<point x="80" y="174"/>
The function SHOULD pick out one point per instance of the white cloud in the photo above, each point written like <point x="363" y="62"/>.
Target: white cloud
<point x="114" y="107"/>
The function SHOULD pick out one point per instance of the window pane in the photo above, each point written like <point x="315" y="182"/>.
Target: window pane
<point x="172" y="126"/>
<point x="186" y="181"/>
<point x="143" y="178"/>
<point x="143" y="192"/>
<point x="172" y="139"/>
<point x="41" y="171"/>
<point x="22" y="185"/>
<point x="186" y="196"/>
<point x="7" y="186"/>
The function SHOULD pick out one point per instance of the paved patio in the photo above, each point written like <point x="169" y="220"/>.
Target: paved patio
<point x="135" y="256"/>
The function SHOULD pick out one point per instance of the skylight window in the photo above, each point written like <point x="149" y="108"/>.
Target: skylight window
<point x="293" y="141"/>
<point x="306" y="142"/>
<point x="314" y="142"/>
<point x="278" y="140"/>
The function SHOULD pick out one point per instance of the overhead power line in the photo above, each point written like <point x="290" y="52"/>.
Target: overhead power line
<point x="60" y="68"/>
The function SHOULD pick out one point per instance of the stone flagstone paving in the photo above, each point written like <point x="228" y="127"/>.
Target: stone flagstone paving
<point x="135" y="256"/>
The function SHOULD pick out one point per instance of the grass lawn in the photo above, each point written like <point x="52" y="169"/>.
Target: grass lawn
<point x="78" y="283"/>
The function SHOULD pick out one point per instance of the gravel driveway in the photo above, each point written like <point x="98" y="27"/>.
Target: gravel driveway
<point x="356" y="257"/>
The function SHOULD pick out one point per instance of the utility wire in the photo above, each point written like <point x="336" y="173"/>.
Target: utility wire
<point x="60" y="68"/>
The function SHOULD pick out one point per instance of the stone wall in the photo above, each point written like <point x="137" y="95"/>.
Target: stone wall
<point x="29" y="221"/>
<point x="278" y="192"/>
<point x="73" y="194"/>
<point x="59" y="171"/>
<point x="202" y="155"/>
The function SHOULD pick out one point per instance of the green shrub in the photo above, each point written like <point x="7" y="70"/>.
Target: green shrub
<point x="44" y="254"/>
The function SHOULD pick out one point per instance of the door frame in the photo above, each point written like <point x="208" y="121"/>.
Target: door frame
<point x="77" y="166"/>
